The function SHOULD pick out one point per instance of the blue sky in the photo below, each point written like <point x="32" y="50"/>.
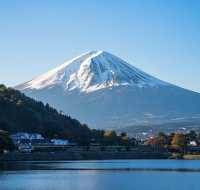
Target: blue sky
<point x="161" y="37"/>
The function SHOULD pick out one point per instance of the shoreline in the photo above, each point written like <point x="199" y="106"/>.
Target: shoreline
<point x="83" y="155"/>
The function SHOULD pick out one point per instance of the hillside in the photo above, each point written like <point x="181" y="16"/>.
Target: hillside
<point x="18" y="113"/>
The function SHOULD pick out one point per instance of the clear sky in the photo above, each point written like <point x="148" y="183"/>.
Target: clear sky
<point x="161" y="37"/>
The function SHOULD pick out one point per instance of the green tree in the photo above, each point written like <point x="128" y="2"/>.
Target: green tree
<point x="2" y="87"/>
<point x="123" y="134"/>
<point x="5" y="141"/>
<point x="123" y="139"/>
<point x="162" y="139"/>
<point x="191" y="136"/>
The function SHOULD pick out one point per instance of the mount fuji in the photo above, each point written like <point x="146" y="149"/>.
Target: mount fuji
<point x="104" y="91"/>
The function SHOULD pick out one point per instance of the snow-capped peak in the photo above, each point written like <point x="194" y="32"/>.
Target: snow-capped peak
<point x="92" y="71"/>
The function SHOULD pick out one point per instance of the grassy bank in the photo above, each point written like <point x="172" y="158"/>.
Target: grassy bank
<point x="191" y="157"/>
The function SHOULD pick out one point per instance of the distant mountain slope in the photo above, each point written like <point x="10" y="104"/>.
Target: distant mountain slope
<point x="106" y="92"/>
<point x="19" y="113"/>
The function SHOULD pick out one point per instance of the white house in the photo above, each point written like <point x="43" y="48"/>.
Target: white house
<point x="25" y="147"/>
<point x="193" y="143"/>
<point x="18" y="137"/>
<point x="60" y="141"/>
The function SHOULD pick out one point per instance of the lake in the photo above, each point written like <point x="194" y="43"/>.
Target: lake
<point x="101" y="175"/>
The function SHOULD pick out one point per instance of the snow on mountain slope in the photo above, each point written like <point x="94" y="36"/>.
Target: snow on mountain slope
<point x="93" y="71"/>
<point x="104" y="91"/>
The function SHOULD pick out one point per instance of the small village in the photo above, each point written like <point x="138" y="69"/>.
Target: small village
<point x="34" y="144"/>
<point x="29" y="142"/>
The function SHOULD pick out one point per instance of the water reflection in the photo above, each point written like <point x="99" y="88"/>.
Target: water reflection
<point x="115" y="165"/>
<point x="101" y="175"/>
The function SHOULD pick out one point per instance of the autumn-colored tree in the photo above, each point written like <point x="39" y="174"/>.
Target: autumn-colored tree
<point x="179" y="141"/>
<point x="160" y="140"/>
<point x="110" y="138"/>
<point x="110" y="134"/>
<point x="153" y="141"/>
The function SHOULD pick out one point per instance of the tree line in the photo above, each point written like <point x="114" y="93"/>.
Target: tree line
<point x="177" y="142"/>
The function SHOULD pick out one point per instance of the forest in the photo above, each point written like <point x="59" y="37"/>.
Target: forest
<point x="19" y="113"/>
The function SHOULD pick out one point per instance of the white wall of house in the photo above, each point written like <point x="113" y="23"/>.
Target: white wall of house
<point x="60" y="141"/>
<point x="30" y="136"/>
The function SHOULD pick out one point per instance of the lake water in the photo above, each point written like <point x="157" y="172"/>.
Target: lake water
<point x="101" y="175"/>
